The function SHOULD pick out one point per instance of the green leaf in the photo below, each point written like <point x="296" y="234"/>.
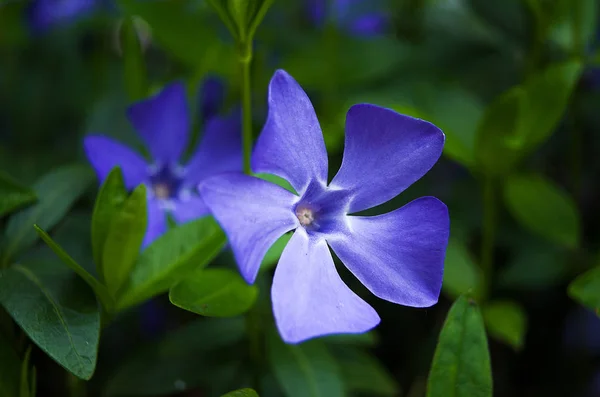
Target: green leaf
<point x="542" y="207"/>
<point x="110" y="200"/>
<point x="170" y="258"/>
<point x="304" y="370"/>
<point x="274" y="253"/>
<point x="56" y="192"/>
<point x="241" y="393"/>
<point x="13" y="196"/>
<point x="9" y="369"/>
<point x="98" y="288"/>
<point x="180" y="361"/>
<point x="506" y="321"/>
<point x="461" y="364"/>
<point x="461" y="274"/>
<point x="564" y="17"/>
<point x="57" y="311"/>
<point x="495" y="152"/>
<point x="362" y="373"/>
<point x="125" y="237"/>
<point x="585" y="289"/>
<point x="214" y="292"/>
<point x="134" y="64"/>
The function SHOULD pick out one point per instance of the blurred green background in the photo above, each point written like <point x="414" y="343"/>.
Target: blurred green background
<point x="514" y="84"/>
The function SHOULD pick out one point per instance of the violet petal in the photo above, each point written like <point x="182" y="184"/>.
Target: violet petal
<point x="157" y="222"/>
<point x="189" y="209"/>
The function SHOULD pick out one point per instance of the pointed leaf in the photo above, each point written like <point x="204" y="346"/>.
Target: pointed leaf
<point x="56" y="192"/>
<point x="506" y="321"/>
<point x="461" y="364"/>
<point x="170" y="258"/>
<point x="461" y="274"/>
<point x="542" y="207"/>
<point x="214" y="292"/>
<point x="13" y="196"/>
<point x="585" y="289"/>
<point x="110" y="200"/>
<point x="57" y="311"/>
<point x="125" y="236"/>
<point x="304" y="370"/>
<point x="99" y="289"/>
<point x="9" y="368"/>
<point x="241" y="393"/>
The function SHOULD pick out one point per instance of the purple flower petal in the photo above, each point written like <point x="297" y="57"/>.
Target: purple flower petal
<point x="368" y="25"/>
<point x="105" y="154"/>
<point x="189" y="209"/>
<point x="157" y="222"/>
<point x="219" y="151"/>
<point x="163" y="122"/>
<point x="309" y="297"/>
<point x="385" y="152"/>
<point x="254" y="214"/>
<point x="291" y="144"/>
<point x="210" y="97"/>
<point x="44" y="14"/>
<point x="398" y="256"/>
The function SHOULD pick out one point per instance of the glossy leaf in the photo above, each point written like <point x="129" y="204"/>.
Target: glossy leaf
<point x="57" y="311"/>
<point x="585" y="289"/>
<point x="506" y="321"/>
<point x="461" y="364"/>
<point x="110" y="200"/>
<point x="214" y="292"/>
<point x="56" y="192"/>
<point x="180" y="361"/>
<point x="304" y="370"/>
<point x="542" y="207"/>
<point x="98" y="288"/>
<point x="171" y="258"/>
<point x="362" y="373"/>
<point x="9" y="368"/>
<point x="461" y="274"/>
<point x="241" y="393"/>
<point x="13" y="196"/>
<point x="125" y="236"/>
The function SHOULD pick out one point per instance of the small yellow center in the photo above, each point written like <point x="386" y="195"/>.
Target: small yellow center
<point x="305" y="216"/>
<point x="161" y="191"/>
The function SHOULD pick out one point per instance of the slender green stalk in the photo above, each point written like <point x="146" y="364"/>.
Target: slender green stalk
<point x="75" y="386"/>
<point x="488" y="233"/>
<point x="245" y="59"/>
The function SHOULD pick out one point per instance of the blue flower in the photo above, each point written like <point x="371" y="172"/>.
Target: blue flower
<point x="45" y="14"/>
<point x="398" y="256"/>
<point x="359" y="17"/>
<point x="163" y="123"/>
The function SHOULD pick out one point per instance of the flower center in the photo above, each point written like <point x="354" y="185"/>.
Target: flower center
<point x="161" y="191"/>
<point x="305" y="215"/>
<point x="166" y="182"/>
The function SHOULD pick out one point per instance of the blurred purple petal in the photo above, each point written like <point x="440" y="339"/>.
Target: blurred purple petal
<point x="163" y="122"/>
<point x="44" y="14"/>
<point x="385" y="152"/>
<point x="104" y="154"/>
<point x="254" y="214"/>
<point x="368" y="25"/>
<point x="291" y="144"/>
<point x="219" y="151"/>
<point x="157" y="222"/>
<point x="398" y="256"/>
<point x="309" y="297"/>
<point x="189" y="209"/>
<point x="210" y="97"/>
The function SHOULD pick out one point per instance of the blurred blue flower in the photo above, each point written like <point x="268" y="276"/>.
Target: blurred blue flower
<point x="163" y="123"/>
<point x="398" y="256"/>
<point x="45" y="14"/>
<point x="359" y="17"/>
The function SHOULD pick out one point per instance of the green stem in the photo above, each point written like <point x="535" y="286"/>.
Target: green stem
<point x="245" y="59"/>
<point x="75" y="386"/>
<point x="253" y="328"/>
<point x="488" y="232"/>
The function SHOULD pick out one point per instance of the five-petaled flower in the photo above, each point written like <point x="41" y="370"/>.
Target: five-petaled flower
<point x="163" y="123"/>
<point x="398" y="256"/>
<point x="359" y="17"/>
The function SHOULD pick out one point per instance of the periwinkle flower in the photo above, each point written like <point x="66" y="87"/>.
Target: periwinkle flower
<point x="163" y="122"/>
<point x="45" y="14"/>
<point x="359" y="17"/>
<point x="398" y="256"/>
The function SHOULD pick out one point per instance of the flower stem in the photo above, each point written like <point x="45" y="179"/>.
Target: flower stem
<point x="245" y="59"/>
<point x="75" y="386"/>
<point x="488" y="233"/>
